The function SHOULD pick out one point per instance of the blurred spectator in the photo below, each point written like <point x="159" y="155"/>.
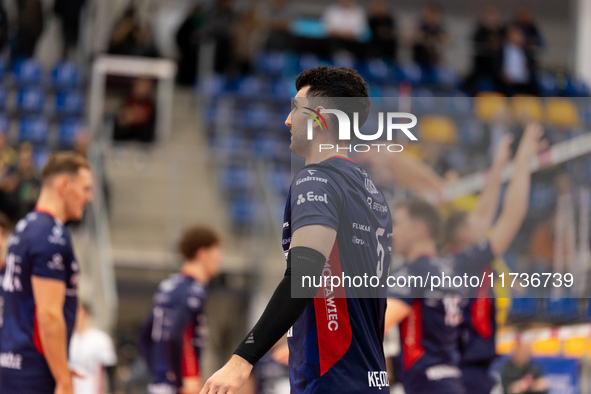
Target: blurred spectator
<point x="3" y="26"/>
<point x="532" y="36"/>
<point x="69" y="12"/>
<point x="29" y="27"/>
<point x="383" y="31"/>
<point x="345" y="23"/>
<point x="29" y="180"/>
<point x="130" y="38"/>
<point x="430" y="37"/>
<point x="277" y="15"/>
<point x="517" y="67"/>
<point x="245" y="40"/>
<point x="219" y="28"/>
<point x="91" y="353"/>
<point x="520" y="375"/>
<point x="8" y="181"/>
<point x="488" y="42"/>
<point x="136" y="119"/>
<point x="188" y="39"/>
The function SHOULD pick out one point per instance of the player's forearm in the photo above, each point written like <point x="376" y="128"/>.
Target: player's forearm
<point x="52" y="331"/>
<point x="517" y="196"/>
<point x="414" y="174"/>
<point x="488" y="202"/>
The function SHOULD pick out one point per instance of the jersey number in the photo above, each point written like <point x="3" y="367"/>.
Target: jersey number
<point x="453" y="313"/>
<point x="381" y="253"/>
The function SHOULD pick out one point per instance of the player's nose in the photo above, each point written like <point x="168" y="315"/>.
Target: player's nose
<point x="288" y="120"/>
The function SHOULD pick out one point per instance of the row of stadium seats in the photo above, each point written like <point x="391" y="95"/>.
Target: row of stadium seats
<point x="34" y="100"/>
<point x="39" y="131"/>
<point x="551" y="310"/>
<point x="29" y="72"/>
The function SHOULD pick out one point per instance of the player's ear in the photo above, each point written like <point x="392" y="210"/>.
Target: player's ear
<point x="61" y="183"/>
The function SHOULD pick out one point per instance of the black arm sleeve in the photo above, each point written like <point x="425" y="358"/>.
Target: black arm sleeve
<point x="282" y="311"/>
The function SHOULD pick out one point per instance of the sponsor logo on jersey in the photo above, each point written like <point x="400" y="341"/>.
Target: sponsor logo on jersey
<point x="376" y="206"/>
<point x="310" y="196"/>
<point x="57" y="236"/>
<point x="362" y="227"/>
<point x="285" y="225"/>
<point x="378" y="379"/>
<point x="358" y="241"/>
<point x="11" y="361"/>
<point x="370" y="186"/>
<point x="56" y="263"/>
<point x="311" y="178"/>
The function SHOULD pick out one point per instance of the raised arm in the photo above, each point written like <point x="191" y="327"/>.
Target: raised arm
<point x="488" y="201"/>
<point x="517" y="196"/>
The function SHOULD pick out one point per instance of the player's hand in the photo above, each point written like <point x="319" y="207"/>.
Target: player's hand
<point x="531" y="142"/>
<point x="64" y="388"/>
<point x="281" y="354"/>
<point x="191" y="386"/>
<point x="230" y="378"/>
<point x="503" y="151"/>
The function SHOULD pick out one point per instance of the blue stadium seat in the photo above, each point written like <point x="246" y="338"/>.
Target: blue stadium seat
<point x="249" y="87"/>
<point x="65" y="75"/>
<point x="446" y="76"/>
<point x="33" y="129"/>
<point x="547" y="84"/>
<point x="3" y="66"/>
<point x="523" y="308"/>
<point x="212" y="86"/>
<point x="4" y="123"/>
<point x="378" y="70"/>
<point x="411" y="72"/>
<point x="272" y="63"/>
<point x="256" y="115"/>
<point x="69" y="103"/>
<point x="265" y="146"/>
<point x="243" y="211"/>
<point x="237" y="178"/>
<point x="561" y="309"/>
<point x="40" y="156"/>
<point x="67" y="130"/>
<point x="31" y="100"/>
<point x="27" y="71"/>
<point x="3" y="96"/>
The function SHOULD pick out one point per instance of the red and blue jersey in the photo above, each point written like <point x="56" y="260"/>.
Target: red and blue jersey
<point x="336" y="345"/>
<point x="40" y="246"/>
<point x="429" y="335"/>
<point x="172" y="337"/>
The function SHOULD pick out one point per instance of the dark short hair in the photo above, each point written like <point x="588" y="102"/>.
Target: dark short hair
<point x="67" y="162"/>
<point x="337" y="82"/>
<point x="453" y="223"/>
<point x="195" y="238"/>
<point x="426" y="213"/>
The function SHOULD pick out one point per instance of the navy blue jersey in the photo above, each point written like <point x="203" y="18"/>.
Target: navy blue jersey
<point x="172" y="337"/>
<point x="337" y="343"/>
<point x="40" y="246"/>
<point x="429" y="335"/>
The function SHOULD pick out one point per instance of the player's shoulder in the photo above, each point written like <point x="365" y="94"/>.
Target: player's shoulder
<point x="43" y="230"/>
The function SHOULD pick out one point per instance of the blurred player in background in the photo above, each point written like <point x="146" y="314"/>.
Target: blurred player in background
<point x="91" y="354"/>
<point x="337" y="220"/>
<point x="429" y="326"/>
<point x="40" y="283"/>
<point x="464" y="230"/>
<point x="172" y="337"/>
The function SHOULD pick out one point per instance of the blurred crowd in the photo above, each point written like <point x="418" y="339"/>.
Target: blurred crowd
<point x="505" y="53"/>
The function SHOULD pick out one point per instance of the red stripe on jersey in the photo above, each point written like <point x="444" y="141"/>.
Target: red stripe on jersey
<point x="332" y="317"/>
<point x="190" y="362"/>
<point x="411" y="333"/>
<point x="36" y="335"/>
<point x="480" y="315"/>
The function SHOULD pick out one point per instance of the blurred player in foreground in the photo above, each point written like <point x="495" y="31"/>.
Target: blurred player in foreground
<point x="171" y="339"/>
<point x="91" y="353"/>
<point x="40" y="283"/>
<point x="464" y="230"/>
<point x="336" y="220"/>
<point x="429" y="326"/>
